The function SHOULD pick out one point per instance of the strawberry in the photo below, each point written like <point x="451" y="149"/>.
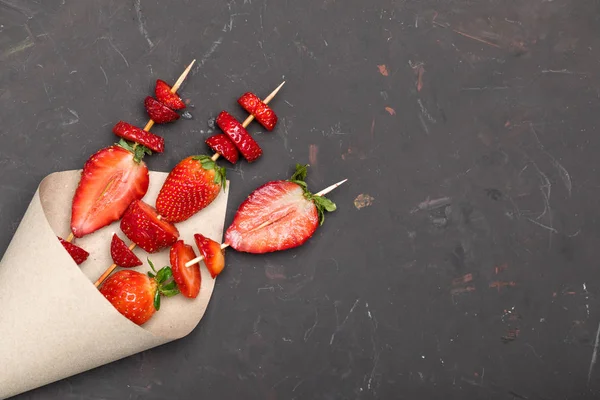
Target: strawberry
<point x="158" y="112"/>
<point x="192" y="185"/>
<point x="214" y="258"/>
<point x="220" y="143"/>
<point x="162" y="91"/>
<point x="142" y="225"/>
<point x="262" y="112"/>
<point x="188" y="279"/>
<point x="278" y="215"/>
<point x="111" y="179"/>
<point x="137" y="296"/>
<point x="122" y="254"/>
<point x="239" y="136"/>
<point x="135" y="134"/>
<point x="79" y="255"/>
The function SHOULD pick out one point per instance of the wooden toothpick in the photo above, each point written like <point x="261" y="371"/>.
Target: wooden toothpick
<point x="225" y="245"/>
<point x="251" y="117"/>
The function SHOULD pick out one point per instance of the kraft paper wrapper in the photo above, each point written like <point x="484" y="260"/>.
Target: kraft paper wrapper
<point x="53" y="322"/>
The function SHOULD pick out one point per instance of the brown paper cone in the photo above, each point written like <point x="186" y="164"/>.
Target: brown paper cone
<point x="53" y="321"/>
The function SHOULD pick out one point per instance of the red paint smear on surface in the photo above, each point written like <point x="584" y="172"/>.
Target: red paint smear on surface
<point x="500" y="284"/>
<point x="313" y="151"/>
<point x="462" y="279"/>
<point x="390" y="110"/>
<point x="383" y="70"/>
<point x="420" y="73"/>
<point x="462" y="290"/>
<point x="501" y="268"/>
<point x="372" y="127"/>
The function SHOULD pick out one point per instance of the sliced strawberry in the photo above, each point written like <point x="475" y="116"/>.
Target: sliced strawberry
<point x="137" y="296"/>
<point x="188" y="279"/>
<point x="162" y="91"/>
<point x="158" y="112"/>
<point x="192" y="185"/>
<point x="278" y="215"/>
<point x="142" y="225"/>
<point x="214" y="257"/>
<point x="135" y="134"/>
<point x="220" y="143"/>
<point x="262" y="112"/>
<point x="79" y="255"/>
<point x="240" y="137"/>
<point x="111" y="179"/>
<point x="122" y="254"/>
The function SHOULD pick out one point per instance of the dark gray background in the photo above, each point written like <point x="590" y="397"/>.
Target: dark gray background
<point x="380" y="303"/>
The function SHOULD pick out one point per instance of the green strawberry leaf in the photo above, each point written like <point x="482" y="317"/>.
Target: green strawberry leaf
<point x="170" y="289"/>
<point x="157" y="300"/>
<point x="323" y="204"/>
<point x="300" y="174"/>
<point x="220" y="172"/>
<point x="138" y="150"/>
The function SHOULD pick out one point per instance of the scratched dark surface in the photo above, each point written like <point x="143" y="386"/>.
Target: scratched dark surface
<point x="469" y="129"/>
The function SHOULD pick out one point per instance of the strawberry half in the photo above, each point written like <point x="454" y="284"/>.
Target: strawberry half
<point x="192" y="185"/>
<point x="111" y="179"/>
<point x="239" y="136"/>
<point x="142" y="225"/>
<point x="279" y="215"/>
<point x="158" y="112"/>
<point x="188" y="279"/>
<point x="122" y="254"/>
<point x="135" y="134"/>
<point x="214" y="257"/>
<point x="137" y="296"/>
<point x="79" y="255"/>
<point x="220" y="143"/>
<point x="162" y="91"/>
<point x="262" y="112"/>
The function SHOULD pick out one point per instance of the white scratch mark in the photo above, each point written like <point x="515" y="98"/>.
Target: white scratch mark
<point x="310" y="330"/>
<point x="424" y="112"/>
<point x="340" y="326"/>
<point x="424" y="124"/>
<point x="207" y="55"/>
<point x="141" y="24"/>
<point x="587" y="296"/>
<point x="72" y="120"/>
<point x="118" y="51"/>
<point x="551" y="229"/>
<point x="594" y="354"/>
<point x="298" y="384"/>
<point x="105" y="77"/>
<point x="373" y="371"/>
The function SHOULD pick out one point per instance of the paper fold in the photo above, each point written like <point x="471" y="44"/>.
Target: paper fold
<point x="53" y="321"/>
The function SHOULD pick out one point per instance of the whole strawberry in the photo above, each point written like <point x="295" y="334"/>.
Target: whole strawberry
<point x="137" y="296"/>
<point x="192" y="185"/>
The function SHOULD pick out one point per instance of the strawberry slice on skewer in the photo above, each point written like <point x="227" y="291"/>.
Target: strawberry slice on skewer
<point x="122" y="254"/>
<point x="135" y="134"/>
<point x="192" y="185"/>
<point x="277" y="216"/>
<point x="158" y="112"/>
<point x="220" y="143"/>
<point x="143" y="226"/>
<point x="214" y="257"/>
<point x="163" y="93"/>
<point x="111" y="179"/>
<point x="239" y="136"/>
<point x="256" y="107"/>
<point x="137" y="296"/>
<point x="79" y="255"/>
<point x="188" y="279"/>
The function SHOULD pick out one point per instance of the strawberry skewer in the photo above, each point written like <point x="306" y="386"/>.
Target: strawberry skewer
<point x="226" y="245"/>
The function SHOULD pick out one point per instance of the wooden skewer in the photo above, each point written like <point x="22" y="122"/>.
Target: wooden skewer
<point x="251" y="117"/>
<point x="225" y="245"/>
<point x="110" y="269"/>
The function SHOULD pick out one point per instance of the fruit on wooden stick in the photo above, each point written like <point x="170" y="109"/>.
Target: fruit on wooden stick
<point x="135" y="134"/>
<point x="239" y="136"/>
<point x="188" y="279"/>
<point x="78" y="254"/>
<point x="163" y="93"/>
<point x="220" y="143"/>
<point x="158" y="112"/>
<point x="214" y="256"/>
<point x="122" y="255"/>
<point x="262" y="112"/>
<point x="143" y="226"/>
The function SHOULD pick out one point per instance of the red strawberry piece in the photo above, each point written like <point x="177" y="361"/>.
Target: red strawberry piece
<point x="192" y="185"/>
<point x="137" y="296"/>
<point x="79" y="255"/>
<point x="162" y="91"/>
<point x="220" y="143"/>
<point x="158" y="112"/>
<point x="111" y="179"/>
<point x="214" y="257"/>
<point x="262" y="112"/>
<point x="135" y="134"/>
<point x="142" y="225"/>
<point x="188" y="279"/>
<point x="240" y="137"/>
<point x="122" y="254"/>
<point x="278" y="215"/>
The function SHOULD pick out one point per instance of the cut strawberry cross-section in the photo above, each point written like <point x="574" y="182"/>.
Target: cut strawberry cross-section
<point x="278" y="215"/>
<point x="220" y="143"/>
<point x="135" y="134"/>
<point x="162" y="91"/>
<point x="262" y="112"/>
<point x="79" y="255"/>
<point x="142" y="225"/>
<point x="111" y="179"/>
<point x="188" y="279"/>
<point x="214" y="258"/>
<point x="158" y="112"/>
<point x="122" y="254"/>
<point x="240" y="137"/>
